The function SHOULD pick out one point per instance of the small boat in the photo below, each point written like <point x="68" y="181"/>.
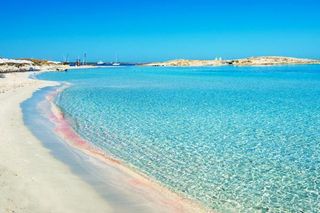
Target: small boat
<point x="100" y="63"/>
<point x="116" y="63"/>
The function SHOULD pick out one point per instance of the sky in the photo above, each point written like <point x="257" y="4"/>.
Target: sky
<point x="158" y="30"/>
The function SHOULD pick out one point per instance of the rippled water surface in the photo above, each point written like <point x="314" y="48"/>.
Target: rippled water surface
<point x="236" y="139"/>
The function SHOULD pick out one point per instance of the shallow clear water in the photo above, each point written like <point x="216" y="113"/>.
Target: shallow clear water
<point x="235" y="138"/>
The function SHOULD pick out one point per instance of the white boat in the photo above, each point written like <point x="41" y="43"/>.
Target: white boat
<point x="100" y="63"/>
<point x="116" y="63"/>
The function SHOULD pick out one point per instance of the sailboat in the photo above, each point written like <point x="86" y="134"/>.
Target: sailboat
<point x="116" y="63"/>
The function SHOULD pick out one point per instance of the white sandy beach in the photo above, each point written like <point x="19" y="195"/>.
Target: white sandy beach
<point x="32" y="180"/>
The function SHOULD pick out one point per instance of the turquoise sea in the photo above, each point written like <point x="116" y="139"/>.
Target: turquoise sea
<point x="237" y="139"/>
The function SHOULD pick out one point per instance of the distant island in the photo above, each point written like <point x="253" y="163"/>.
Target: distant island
<point x="252" y="61"/>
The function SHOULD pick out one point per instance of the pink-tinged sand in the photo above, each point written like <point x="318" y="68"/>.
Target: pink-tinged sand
<point x="137" y="184"/>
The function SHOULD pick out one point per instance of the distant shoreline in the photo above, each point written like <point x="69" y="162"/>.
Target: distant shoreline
<point x="252" y="61"/>
<point x="27" y="65"/>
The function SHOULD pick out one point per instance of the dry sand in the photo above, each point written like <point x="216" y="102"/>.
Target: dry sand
<point x="33" y="180"/>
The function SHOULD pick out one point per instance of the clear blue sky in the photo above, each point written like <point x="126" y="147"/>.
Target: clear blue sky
<point x="154" y="30"/>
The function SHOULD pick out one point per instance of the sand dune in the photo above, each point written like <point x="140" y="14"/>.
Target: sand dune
<point x="23" y="65"/>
